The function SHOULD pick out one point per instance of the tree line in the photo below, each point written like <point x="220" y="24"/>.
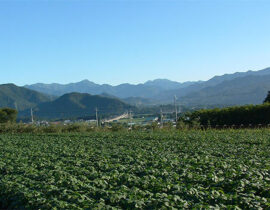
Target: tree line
<point x="236" y="115"/>
<point x="8" y="115"/>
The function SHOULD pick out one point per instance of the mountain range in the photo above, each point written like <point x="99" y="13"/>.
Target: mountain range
<point x="228" y="89"/>
<point x="239" y="91"/>
<point x="146" y="90"/>
<point x="80" y="99"/>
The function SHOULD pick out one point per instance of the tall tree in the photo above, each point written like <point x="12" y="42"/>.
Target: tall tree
<point x="8" y="115"/>
<point x="267" y="99"/>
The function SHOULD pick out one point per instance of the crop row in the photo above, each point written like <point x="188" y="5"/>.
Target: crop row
<point x="191" y="169"/>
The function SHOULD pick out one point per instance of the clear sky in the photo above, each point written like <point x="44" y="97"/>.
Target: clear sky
<point x="119" y="41"/>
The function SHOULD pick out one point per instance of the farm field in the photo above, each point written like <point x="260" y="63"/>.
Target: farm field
<point x="121" y="170"/>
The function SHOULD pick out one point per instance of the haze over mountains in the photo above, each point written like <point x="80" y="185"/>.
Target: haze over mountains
<point x="126" y="90"/>
<point x="228" y="89"/>
<point x="80" y="99"/>
<point x="239" y="91"/>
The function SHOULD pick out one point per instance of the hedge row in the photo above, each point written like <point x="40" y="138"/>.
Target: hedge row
<point x="237" y="115"/>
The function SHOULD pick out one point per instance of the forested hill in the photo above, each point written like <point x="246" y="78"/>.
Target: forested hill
<point x="20" y="98"/>
<point x="229" y="89"/>
<point x="74" y="105"/>
<point x="239" y="91"/>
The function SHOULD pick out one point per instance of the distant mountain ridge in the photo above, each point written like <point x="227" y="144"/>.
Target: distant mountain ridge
<point x="157" y="91"/>
<point x="167" y="84"/>
<point x="218" y="79"/>
<point x="146" y="90"/>
<point x="250" y="89"/>
<point x="215" y="82"/>
<point x="20" y="98"/>
<point x="239" y="88"/>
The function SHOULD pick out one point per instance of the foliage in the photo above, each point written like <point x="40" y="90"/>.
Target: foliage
<point x="73" y="128"/>
<point x="117" y="127"/>
<point x="168" y="125"/>
<point x="154" y="125"/>
<point x="136" y="170"/>
<point x="188" y="123"/>
<point x="8" y="115"/>
<point x="237" y="115"/>
<point x="267" y="99"/>
<point x="20" y="98"/>
<point x="30" y="128"/>
<point x="181" y="125"/>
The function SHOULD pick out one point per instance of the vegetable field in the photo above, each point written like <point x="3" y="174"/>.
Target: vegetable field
<point x="107" y="170"/>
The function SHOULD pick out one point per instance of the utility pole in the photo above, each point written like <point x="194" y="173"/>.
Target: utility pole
<point x="175" y="107"/>
<point x="161" y="117"/>
<point x="32" y="116"/>
<point x="97" y="116"/>
<point x="130" y="120"/>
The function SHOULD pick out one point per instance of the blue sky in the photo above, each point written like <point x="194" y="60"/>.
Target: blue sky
<point x="119" y="41"/>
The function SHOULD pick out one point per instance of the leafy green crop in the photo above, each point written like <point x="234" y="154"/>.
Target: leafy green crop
<point x="191" y="169"/>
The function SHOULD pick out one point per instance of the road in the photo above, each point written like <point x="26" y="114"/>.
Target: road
<point x="118" y="117"/>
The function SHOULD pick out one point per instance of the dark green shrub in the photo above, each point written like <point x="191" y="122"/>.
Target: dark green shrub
<point x="8" y="115"/>
<point x="117" y="127"/>
<point x="51" y="129"/>
<point x="73" y="128"/>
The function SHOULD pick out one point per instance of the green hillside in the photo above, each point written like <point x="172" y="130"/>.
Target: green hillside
<point x="240" y="91"/>
<point x="20" y="98"/>
<point x="74" y="105"/>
